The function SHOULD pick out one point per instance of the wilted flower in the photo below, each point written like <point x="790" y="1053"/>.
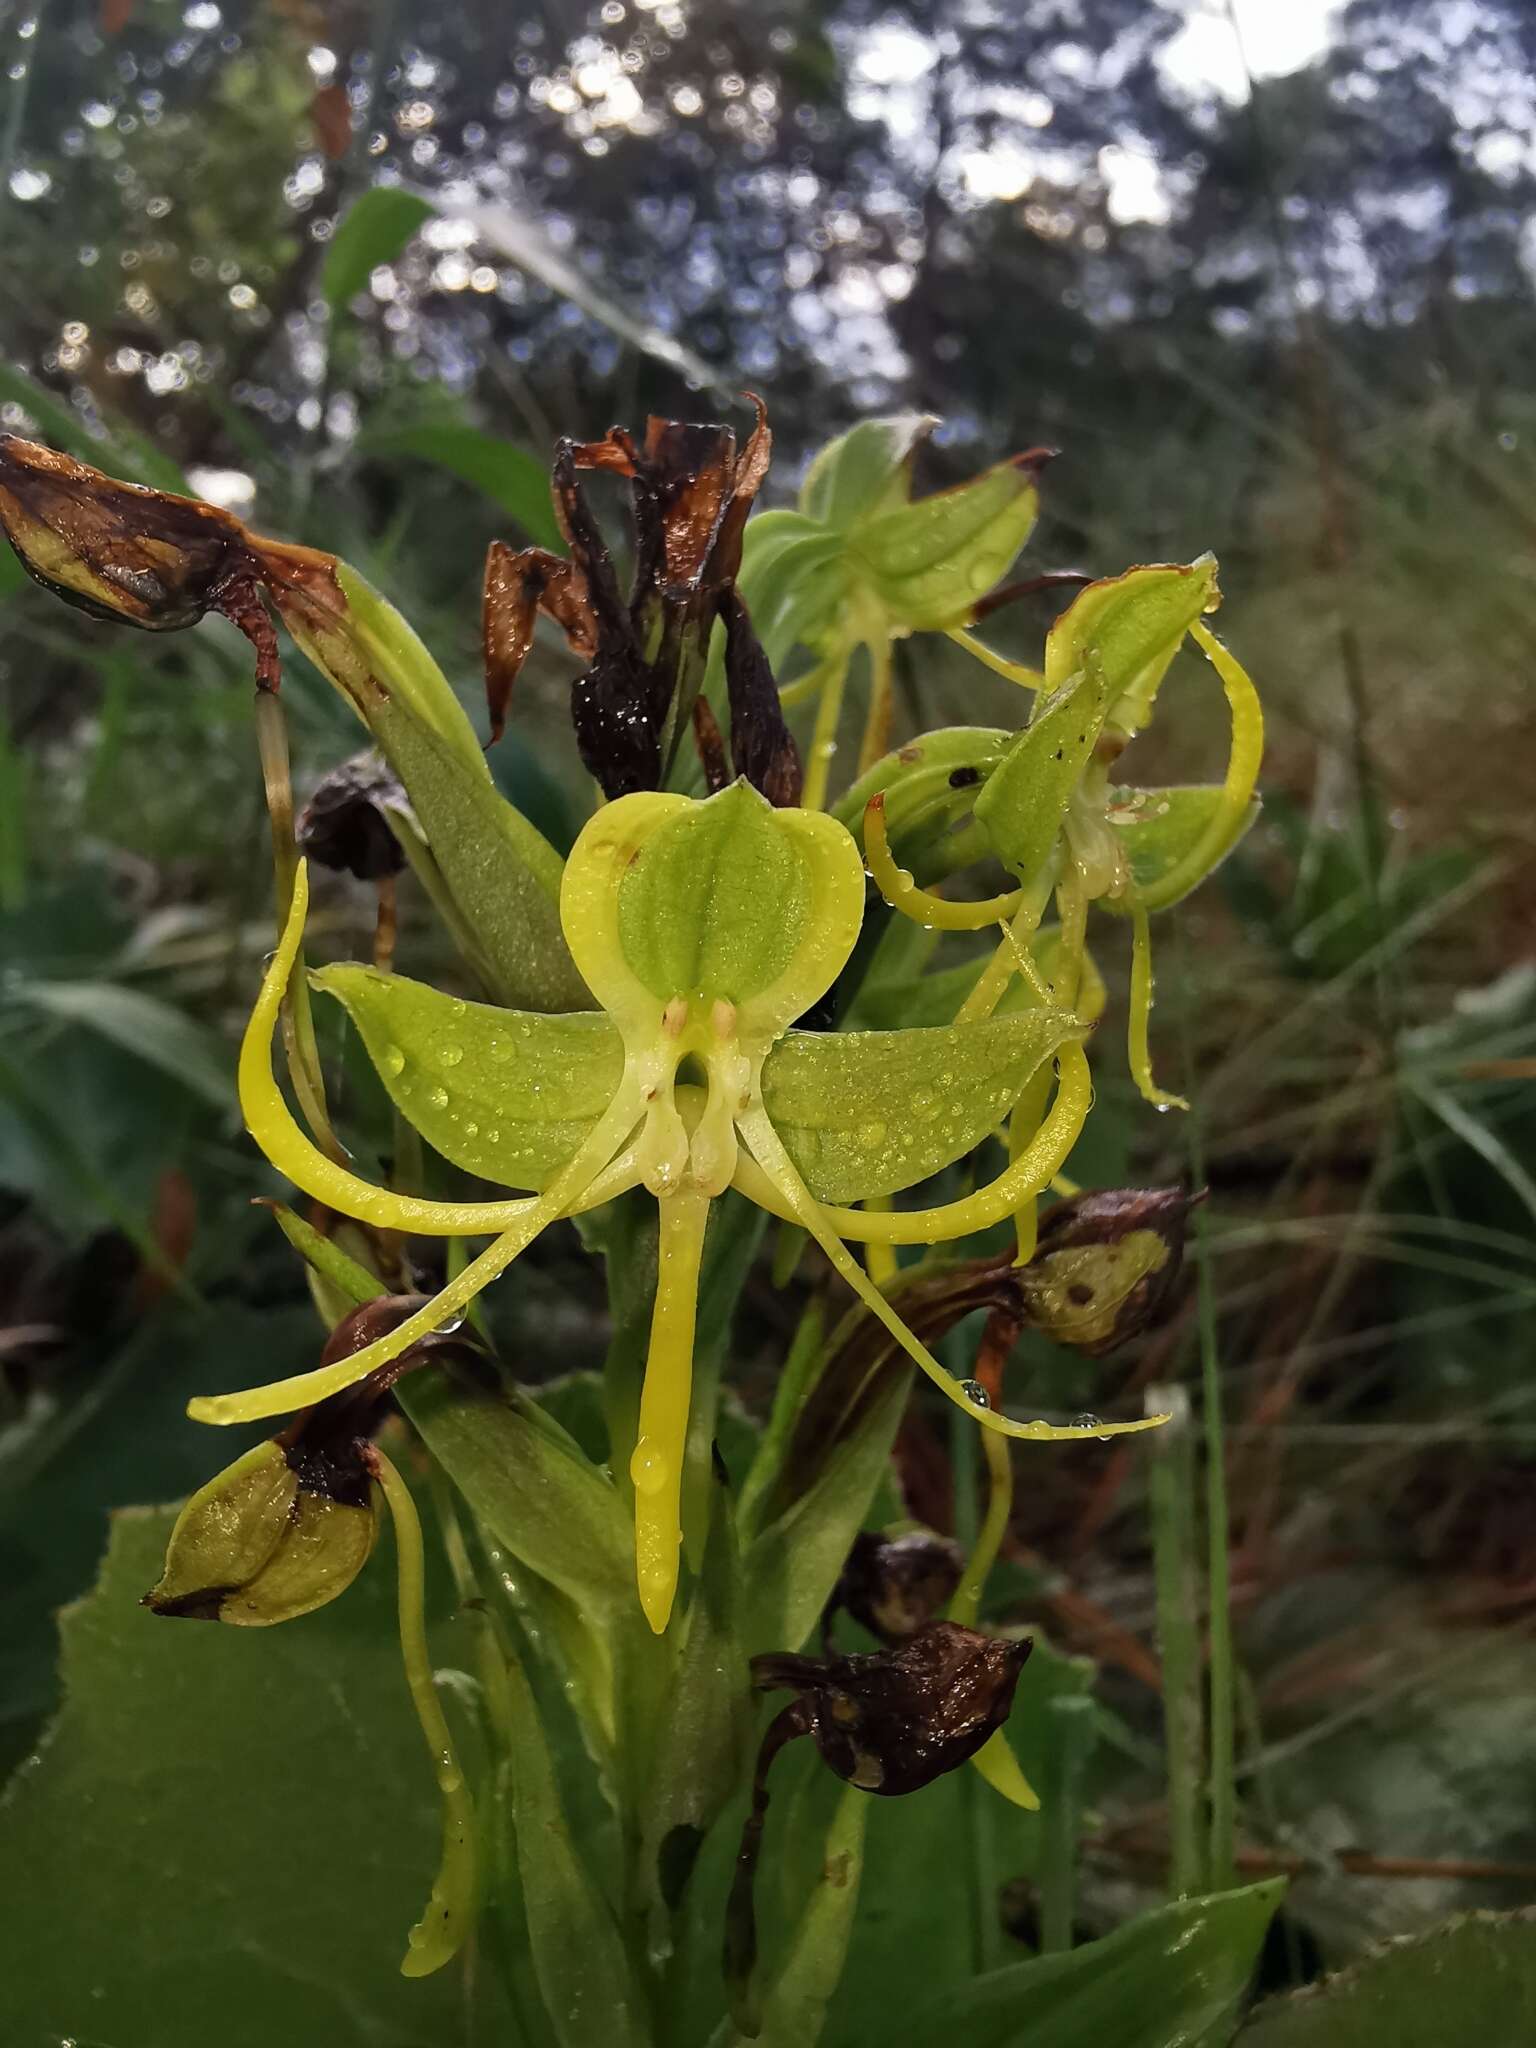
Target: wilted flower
<point x="345" y="825"/>
<point x="894" y="1585"/>
<point x="1106" y="1265"/>
<point x="646" y="655"/>
<point x="120" y="552"/>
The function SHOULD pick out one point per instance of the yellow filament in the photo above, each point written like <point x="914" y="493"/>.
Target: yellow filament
<point x="1028" y="1175"/>
<point x="779" y="1174"/>
<point x="993" y="981"/>
<point x="902" y="892"/>
<point x="657" y="1464"/>
<point x="1137" y="1048"/>
<point x="445" y="1924"/>
<point x="272" y="1125"/>
<point x="1243" y="763"/>
<point x="1000" y="665"/>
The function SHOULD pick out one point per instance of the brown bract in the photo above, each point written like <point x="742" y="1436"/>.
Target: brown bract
<point x="645" y="653"/>
<point x="124" y="553"/>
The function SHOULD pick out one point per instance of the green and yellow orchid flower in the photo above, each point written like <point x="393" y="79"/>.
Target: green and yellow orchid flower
<point x="704" y="928"/>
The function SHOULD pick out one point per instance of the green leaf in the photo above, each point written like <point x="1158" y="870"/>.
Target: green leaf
<point x="794" y="2010"/>
<point x="504" y="876"/>
<point x="504" y="472"/>
<point x="863" y="1113"/>
<point x="703" y="1731"/>
<point x="1158" y="828"/>
<point x="1472" y="1980"/>
<point x="1137" y="623"/>
<point x="791" y="1567"/>
<point x="1175" y="1974"/>
<point x="929" y="561"/>
<point x="374" y="230"/>
<point x="223" y="1823"/>
<point x="793" y="580"/>
<point x="526" y="1480"/>
<point x="1022" y="806"/>
<point x="863" y="472"/>
<point x="141" y="1024"/>
<point x="508" y="1095"/>
<point x="578" y="1956"/>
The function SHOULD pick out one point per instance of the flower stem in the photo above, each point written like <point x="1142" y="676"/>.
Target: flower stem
<point x="829" y="709"/>
<point x="1070" y="1720"/>
<point x="877" y="720"/>
<point x="449" y="1915"/>
<point x="1172" y="1489"/>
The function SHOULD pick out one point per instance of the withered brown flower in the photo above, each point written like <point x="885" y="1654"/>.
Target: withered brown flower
<point x="646" y="654"/>
<point x="126" y="554"/>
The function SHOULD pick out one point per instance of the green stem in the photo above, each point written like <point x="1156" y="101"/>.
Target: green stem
<point x="1221" y="1870"/>
<point x="877" y="719"/>
<point x="1172" y="1487"/>
<point x="829" y="709"/>
<point x="1071" y="1725"/>
<point x="449" y="1915"/>
<point x="298" y="1024"/>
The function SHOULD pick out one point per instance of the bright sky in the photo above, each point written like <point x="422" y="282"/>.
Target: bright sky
<point x="1278" y="36"/>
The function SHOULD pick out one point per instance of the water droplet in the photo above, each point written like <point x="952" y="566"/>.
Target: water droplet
<point x="438" y="1097"/>
<point x="500" y="1050"/>
<point x="453" y="1323"/>
<point x="648" y="1468"/>
<point x="870" y="1135"/>
<point x="1085" y="1421"/>
<point x="451" y="1055"/>
<point x="471" y="1130"/>
<point x="924" y="1102"/>
<point x="493" y="1135"/>
<point x="458" y="1007"/>
<point x="975" y="1393"/>
<point x="393" y="1061"/>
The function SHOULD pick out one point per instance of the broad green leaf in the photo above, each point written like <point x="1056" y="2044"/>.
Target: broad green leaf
<point x="223" y="1823"/>
<point x="144" y="1025"/>
<point x="506" y="1094"/>
<point x="373" y="231"/>
<point x="503" y="876"/>
<point x="864" y="1113"/>
<point x="578" y="1955"/>
<point x="1136" y="623"/>
<point x="1471" y="1980"/>
<point x="383" y="657"/>
<point x="863" y="472"/>
<point x="527" y="1481"/>
<point x="929" y="561"/>
<point x="1157" y="828"/>
<point x="1022" y="806"/>
<point x="1175" y="1974"/>
<point x="504" y="472"/>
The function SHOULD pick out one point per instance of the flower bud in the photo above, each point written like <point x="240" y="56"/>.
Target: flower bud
<point x="893" y="1585"/>
<point x="345" y="826"/>
<point x="1106" y="1265"/>
<point x="279" y="1532"/>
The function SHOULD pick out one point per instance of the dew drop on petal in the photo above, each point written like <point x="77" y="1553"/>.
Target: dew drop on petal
<point x="393" y="1061"/>
<point x="648" y="1468"/>
<point x="451" y="1055"/>
<point x="870" y="1135"/>
<point x="975" y="1393"/>
<point x="438" y="1097"/>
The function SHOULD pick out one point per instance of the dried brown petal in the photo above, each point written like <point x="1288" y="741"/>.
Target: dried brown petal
<point x="126" y="554"/>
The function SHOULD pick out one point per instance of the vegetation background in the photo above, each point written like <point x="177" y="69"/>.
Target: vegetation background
<point x="1263" y="274"/>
